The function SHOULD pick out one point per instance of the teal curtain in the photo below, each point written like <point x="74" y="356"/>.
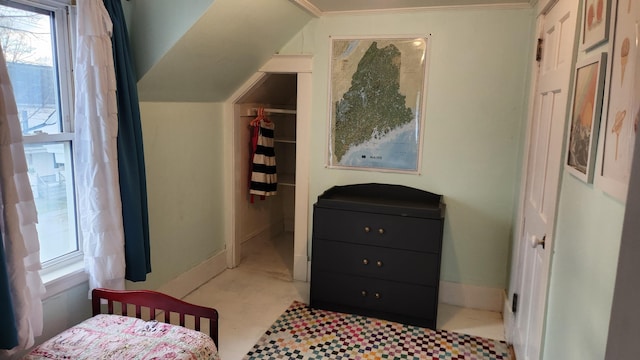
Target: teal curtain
<point x="8" y="330"/>
<point x="133" y="184"/>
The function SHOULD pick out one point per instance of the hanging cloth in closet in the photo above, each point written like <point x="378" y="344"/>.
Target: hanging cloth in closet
<point x="264" y="180"/>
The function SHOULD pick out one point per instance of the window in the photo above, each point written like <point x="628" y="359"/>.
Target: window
<point x="35" y="39"/>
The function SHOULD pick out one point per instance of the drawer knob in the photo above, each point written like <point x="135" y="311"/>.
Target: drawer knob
<point x="365" y="261"/>
<point x="381" y="231"/>
<point x="367" y="229"/>
<point x="363" y="293"/>
<point x="379" y="263"/>
<point x="377" y="296"/>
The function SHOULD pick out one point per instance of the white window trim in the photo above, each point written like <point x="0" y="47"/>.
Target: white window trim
<point x="63" y="278"/>
<point x="59" y="276"/>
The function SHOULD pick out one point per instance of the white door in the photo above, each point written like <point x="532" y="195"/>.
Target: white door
<point x="556" y="28"/>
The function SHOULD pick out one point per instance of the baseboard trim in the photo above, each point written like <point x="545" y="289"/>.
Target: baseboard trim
<point x="192" y="279"/>
<point x="300" y="268"/>
<point x="509" y="320"/>
<point x="471" y="296"/>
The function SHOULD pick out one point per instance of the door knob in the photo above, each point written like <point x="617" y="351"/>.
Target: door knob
<point x="535" y="241"/>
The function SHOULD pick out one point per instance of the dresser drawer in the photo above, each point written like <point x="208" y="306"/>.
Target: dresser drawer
<point x="378" y="262"/>
<point x="371" y="294"/>
<point x="401" y="232"/>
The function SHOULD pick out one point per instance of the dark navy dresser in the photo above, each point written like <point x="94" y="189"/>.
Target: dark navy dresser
<point x="376" y="252"/>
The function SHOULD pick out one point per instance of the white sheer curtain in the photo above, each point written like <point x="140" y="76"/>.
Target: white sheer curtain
<point x="18" y="221"/>
<point x="99" y="205"/>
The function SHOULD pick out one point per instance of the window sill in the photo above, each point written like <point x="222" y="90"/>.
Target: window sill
<point x="63" y="278"/>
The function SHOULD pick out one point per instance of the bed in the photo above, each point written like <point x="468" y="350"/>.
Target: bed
<point x="137" y="324"/>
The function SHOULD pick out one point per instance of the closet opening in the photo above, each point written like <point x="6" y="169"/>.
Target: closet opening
<point x="283" y="86"/>
<point x="265" y="225"/>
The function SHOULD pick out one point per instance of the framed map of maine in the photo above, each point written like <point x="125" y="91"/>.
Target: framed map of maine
<point x="376" y="91"/>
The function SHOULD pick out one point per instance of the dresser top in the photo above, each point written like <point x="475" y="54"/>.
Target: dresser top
<point x="383" y="198"/>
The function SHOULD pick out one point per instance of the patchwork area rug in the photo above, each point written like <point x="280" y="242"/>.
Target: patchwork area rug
<point x="305" y="333"/>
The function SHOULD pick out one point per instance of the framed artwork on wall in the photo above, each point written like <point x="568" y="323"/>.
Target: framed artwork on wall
<point x="586" y="110"/>
<point x="623" y="113"/>
<point x="595" y="23"/>
<point x="376" y="96"/>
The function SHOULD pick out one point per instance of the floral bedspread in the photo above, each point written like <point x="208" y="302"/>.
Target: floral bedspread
<point x="120" y="337"/>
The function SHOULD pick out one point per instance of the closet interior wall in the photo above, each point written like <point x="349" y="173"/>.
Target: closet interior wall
<point x="269" y="218"/>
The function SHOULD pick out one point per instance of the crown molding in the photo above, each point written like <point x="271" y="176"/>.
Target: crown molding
<point x="315" y="11"/>
<point x="308" y="6"/>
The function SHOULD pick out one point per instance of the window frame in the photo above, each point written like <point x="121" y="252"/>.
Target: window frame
<point x="66" y="271"/>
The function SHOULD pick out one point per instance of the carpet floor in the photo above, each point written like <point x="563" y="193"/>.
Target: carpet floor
<point x="305" y="333"/>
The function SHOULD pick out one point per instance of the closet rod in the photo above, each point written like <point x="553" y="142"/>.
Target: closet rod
<point x="274" y="111"/>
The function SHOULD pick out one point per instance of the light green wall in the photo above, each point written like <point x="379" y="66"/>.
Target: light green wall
<point x="126" y="8"/>
<point x="583" y="272"/>
<point x="157" y="26"/>
<point x="184" y="183"/>
<point x="476" y="108"/>
<point x="184" y="188"/>
<point x="66" y="309"/>
<point x="475" y="115"/>
<point x="475" y="111"/>
<point x="215" y="56"/>
<point x="584" y="265"/>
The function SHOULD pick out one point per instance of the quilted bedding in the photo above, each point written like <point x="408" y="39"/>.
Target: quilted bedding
<point x="120" y="337"/>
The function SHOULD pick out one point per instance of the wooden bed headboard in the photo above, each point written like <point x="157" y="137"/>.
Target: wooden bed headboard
<point x="158" y="305"/>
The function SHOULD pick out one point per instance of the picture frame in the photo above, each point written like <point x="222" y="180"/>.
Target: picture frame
<point x="595" y="23"/>
<point x="619" y="129"/>
<point x="586" y="111"/>
<point x="377" y="88"/>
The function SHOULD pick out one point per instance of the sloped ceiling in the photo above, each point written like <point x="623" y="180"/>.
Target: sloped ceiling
<point x="203" y="50"/>
<point x="223" y="48"/>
